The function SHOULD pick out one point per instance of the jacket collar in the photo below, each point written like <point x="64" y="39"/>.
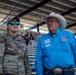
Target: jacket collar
<point x="56" y="33"/>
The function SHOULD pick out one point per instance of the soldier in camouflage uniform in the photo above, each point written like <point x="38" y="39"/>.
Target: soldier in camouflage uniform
<point x="13" y="52"/>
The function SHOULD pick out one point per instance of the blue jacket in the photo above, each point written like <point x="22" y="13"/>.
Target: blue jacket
<point x="55" y="51"/>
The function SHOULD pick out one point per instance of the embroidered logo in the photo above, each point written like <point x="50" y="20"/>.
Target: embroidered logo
<point x="64" y="39"/>
<point x="47" y="41"/>
<point x="48" y="45"/>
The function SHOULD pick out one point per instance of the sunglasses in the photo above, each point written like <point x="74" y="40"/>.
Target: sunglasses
<point x="13" y="23"/>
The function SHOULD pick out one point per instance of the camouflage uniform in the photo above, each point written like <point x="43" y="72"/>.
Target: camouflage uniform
<point x="13" y="55"/>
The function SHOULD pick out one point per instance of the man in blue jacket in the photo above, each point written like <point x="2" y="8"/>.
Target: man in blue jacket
<point x="56" y="52"/>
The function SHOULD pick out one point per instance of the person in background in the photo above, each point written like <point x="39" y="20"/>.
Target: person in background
<point x="13" y="52"/>
<point x="31" y="36"/>
<point x="27" y="39"/>
<point x="56" y="50"/>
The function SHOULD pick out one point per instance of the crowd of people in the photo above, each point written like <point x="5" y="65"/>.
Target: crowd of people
<point x="29" y="36"/>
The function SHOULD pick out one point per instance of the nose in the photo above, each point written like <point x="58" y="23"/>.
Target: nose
<point x="49" y="23"/>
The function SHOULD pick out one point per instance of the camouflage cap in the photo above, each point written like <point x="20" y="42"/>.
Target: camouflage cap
<point x="10" y="18"/>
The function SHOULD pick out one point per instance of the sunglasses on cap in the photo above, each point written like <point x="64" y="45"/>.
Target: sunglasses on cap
<point x="14" y="23"/>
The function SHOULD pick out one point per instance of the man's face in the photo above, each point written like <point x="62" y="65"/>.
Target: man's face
<point x="13" y="25"/>
<point x="52" y="24"/>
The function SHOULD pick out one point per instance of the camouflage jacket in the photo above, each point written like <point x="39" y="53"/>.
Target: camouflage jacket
<point x="13" y="55"/>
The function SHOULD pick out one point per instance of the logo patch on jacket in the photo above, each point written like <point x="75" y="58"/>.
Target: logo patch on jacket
<point x="64" y="38"/>
<point x="48" y="45"/>
<point x="47" y="41"/>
